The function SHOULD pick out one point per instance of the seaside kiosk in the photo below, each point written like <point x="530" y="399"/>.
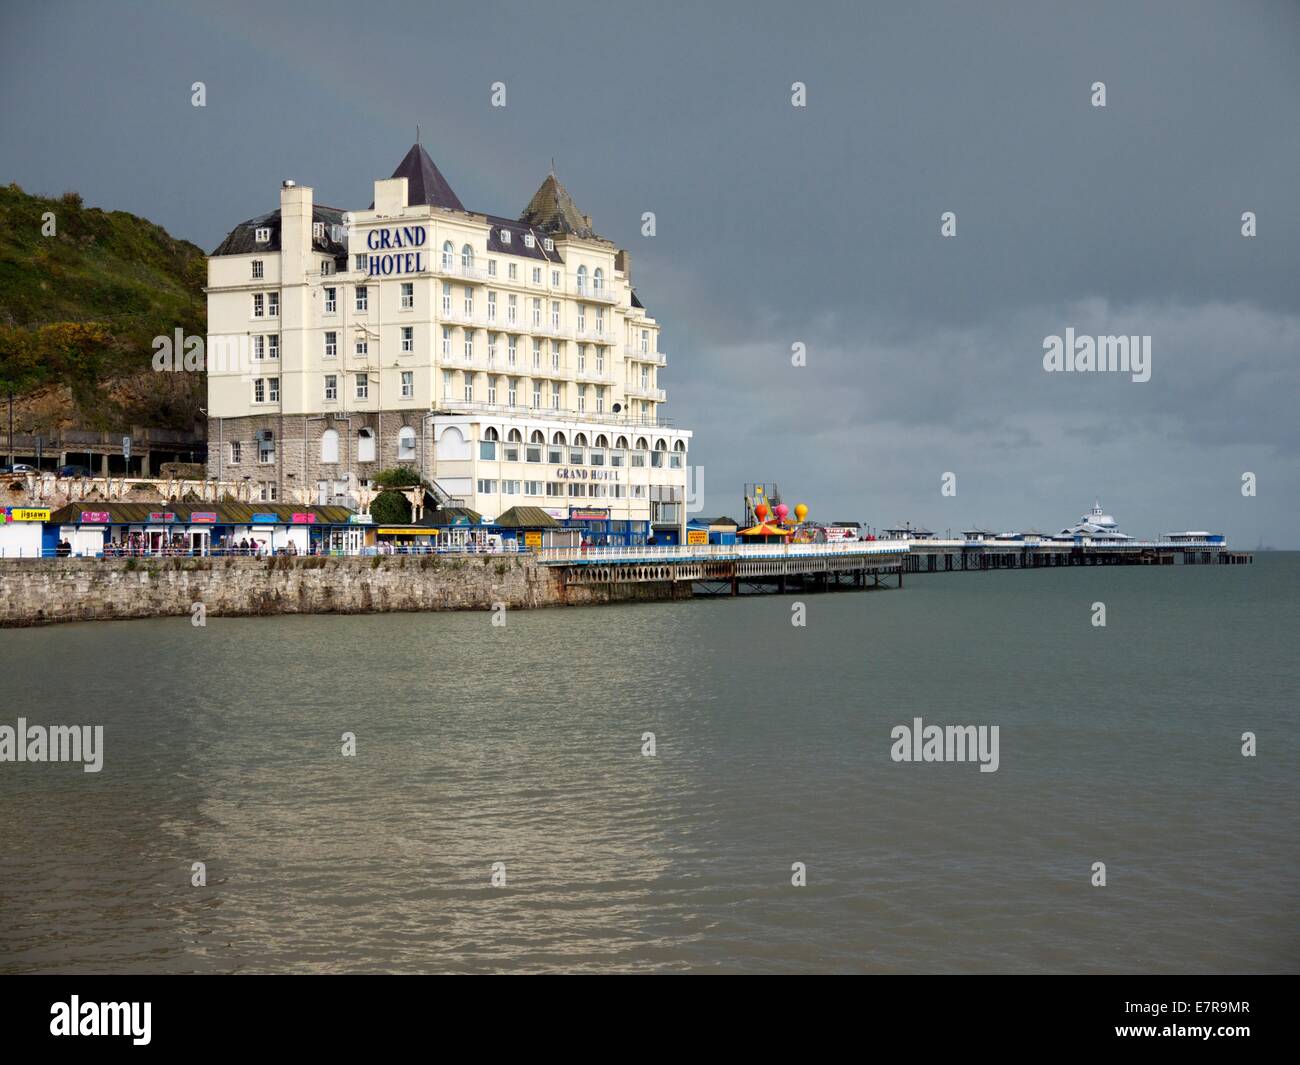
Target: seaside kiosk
<point x="25" y="534"/>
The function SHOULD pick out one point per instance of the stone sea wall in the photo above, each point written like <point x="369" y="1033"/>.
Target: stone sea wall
<point x="45" y="591"/>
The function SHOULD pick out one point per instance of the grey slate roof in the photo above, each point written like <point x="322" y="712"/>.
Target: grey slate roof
<point x="242" y="240"/>
<point x="424" y="181"/>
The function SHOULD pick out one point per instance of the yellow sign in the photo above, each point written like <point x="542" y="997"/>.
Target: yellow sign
<point x="532" y="539"/>
<point x="697" y="536"/>
<point x="21" y="514"/>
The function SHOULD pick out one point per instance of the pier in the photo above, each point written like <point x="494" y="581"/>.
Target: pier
<point x="726" y="569"/>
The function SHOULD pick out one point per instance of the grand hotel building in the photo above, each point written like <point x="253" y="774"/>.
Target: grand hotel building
<point x="508" y="360"/>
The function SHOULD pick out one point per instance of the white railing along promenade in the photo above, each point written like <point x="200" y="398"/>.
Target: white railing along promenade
<point x="714" y="552"/>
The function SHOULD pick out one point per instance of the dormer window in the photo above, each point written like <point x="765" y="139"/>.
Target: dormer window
<point x="548" y="244"/>
<point x="505" y="236"/>
<point x="263" y="234"/>
<point x="318" y="230"/>
<point x="528" y="240"/>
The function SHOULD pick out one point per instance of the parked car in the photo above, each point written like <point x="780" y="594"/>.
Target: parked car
<point x="18" y="467"/>
<point x="73" y="471"/>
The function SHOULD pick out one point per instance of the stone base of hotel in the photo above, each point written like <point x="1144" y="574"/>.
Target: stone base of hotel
<point x="49" y="591"/>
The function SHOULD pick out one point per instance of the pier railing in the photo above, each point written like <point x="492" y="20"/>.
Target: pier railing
<point x="714" y="552"/>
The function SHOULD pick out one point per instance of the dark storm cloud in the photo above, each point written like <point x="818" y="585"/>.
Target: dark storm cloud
<point x="778" y="224"/>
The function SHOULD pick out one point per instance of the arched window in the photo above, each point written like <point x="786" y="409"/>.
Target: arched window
<point x="580" y="440"/>
<point x="602" y="441"/>
<point x="559" y="438"/>
<point x="365" y="445"/>
<point x="491" y="434"/>
<point x="467" y="258"/>
<point x="582" y="279"/>
<point x="538" y="437"/>
<point x="661" y="444"/>
<point x="515" y="436"/>
<point x="598" y="280"/>
<point x="452" y="444"/>
<point x="448" y="254"/>
<point x="640" y="443"/>
<point x="329" y="446"/>
<point x="406" y="443"/>
<point x="622" y="443"/>
<point x="680" y="445"/>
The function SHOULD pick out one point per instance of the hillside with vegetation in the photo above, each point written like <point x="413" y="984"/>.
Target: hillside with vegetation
<point x="79" y="311"/>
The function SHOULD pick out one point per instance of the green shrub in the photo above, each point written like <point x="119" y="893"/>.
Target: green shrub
<point x="390" y="508"/>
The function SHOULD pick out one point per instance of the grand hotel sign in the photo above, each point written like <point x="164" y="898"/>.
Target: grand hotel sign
<point x="582" y="473"/>
<point x="391" y="250"/>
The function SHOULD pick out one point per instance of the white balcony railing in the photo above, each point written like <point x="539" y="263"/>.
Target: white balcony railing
<point x="595" y="295"/>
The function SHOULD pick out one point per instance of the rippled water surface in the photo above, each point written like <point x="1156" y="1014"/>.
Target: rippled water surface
<point x="522" y="744"/>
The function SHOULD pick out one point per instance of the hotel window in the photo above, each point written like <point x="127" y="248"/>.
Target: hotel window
<point x="360" y="262"/>
<point x="577" y="490"/>
<point x="600" y="361"/>
<point x="532" y="488"/>
<point x="512" y="309"/>
<point x="555" y="314"/>
<point x="273" y="346"/>
<point x="582" y="317"/>
<point x="408" y="295"/>
<point x="555" y="279"/>
<point x="448" y="255"/>
<point x="597" y="457"/>
<point x="638" y="458"/>
<point x="505" y="236"/>
<point x="492" y="306"/>
<point x="408" y="384"/>
<point x="487" y="488"/>
<point x="582" y="397"/>
<point x="492" y="268"/>
<point x="363" y="298"/>
<point x="492" y="390"/>
<point x="511" y="345"/>
<point x="616" y="457"/>
<point x="510" y="488"/>
<point x="467" y="259"/>
<point x="446" y="341"/>
<point x="446" y="384"/>
<point x="555" y="354"/>
<point x="326" y="267"/>
<point x="406" y="443"/>
<point x="259" y="390"/>
<point x="446" y="299"/>
<point x="331" y="387"/>
<point x="533" y="453"/>
<point x="236" y="452"/>
<point x="259" y="346"/>
<point x="273" y="305"/>
<point x="331" y="344"/>
<point x="263" y="234"/>
<point x="657" y="456"/>
<point x="600" y="400"/>
<point x="318" y="230"/>
<point x="492" y="349"/>
<point x="331" y="300"/>
<point x="511" y="391"/>
<point x="645" y="340"/>
<point x="257" y="269"/>
<point x="468" y="379"/>
<point x="555" y="456"/>
<point x="645" y="411"/>
<point x="363" y="386"/>
<point x="616" y="491"/>
<point x="537" y="311"/>
<point x="554" y="489"/>
<point x="363" y="348"/>
<point x="537" y="394"/>
<point x="598" y="280"/>
<point x="548" y="244"/>
<point x="469" y="346"/>
<point x="576" y="452"/>
<point x="537" y="354"/>
<point x="555" y="395"/>
<point x="600" y="319"/>
<point x="512" y="270"/>
<point x="408" y="338"/>
<point x="258" y="300"/>
<point x="645" y="377"/>
<point x="265" y="447"/>
<point x="582" y="358"/>
<point x="638" y="491"/>
<point x="469" y="303"/>
<point x="266" y="491"/>
<point x="528" y="240"/>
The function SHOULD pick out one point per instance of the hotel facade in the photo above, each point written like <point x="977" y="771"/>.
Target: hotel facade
<point x="509" y="361"/>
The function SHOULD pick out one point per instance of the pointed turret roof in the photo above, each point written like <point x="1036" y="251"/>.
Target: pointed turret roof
<point x="552" y="210"/>
<point x="424" y="181"/>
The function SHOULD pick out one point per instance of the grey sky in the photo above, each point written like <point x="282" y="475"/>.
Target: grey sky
<point x="778" y="224"/>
